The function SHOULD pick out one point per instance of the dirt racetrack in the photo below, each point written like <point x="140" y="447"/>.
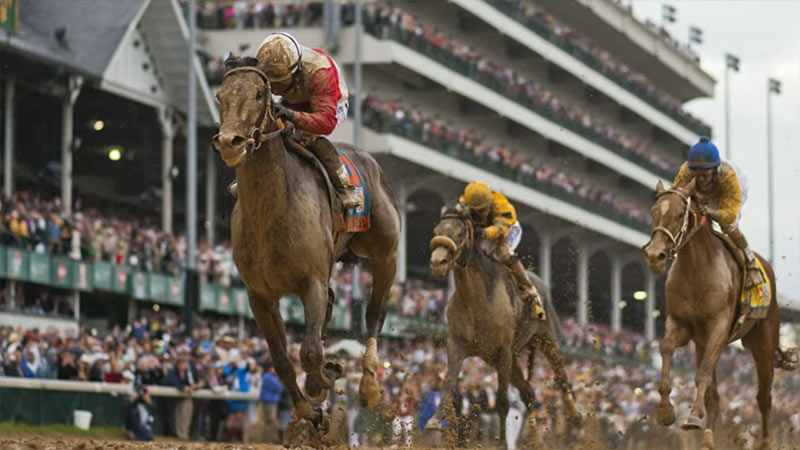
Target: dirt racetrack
<point x="70" y="443"/>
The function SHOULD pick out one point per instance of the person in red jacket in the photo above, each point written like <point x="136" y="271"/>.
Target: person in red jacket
<point x="313" y="97"/>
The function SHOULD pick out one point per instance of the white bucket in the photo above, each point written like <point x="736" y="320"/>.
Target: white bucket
<point x="82" y="419"/>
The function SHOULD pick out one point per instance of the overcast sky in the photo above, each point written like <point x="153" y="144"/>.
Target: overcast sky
<point x="765" y="35"/>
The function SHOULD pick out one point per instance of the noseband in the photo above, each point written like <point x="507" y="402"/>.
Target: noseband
<point x="256" y="136"/>
<point x="681" y="238"/>
<point x="446" y="241"/>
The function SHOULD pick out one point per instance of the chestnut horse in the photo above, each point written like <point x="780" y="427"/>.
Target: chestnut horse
<point x="283" y="238"/>
<point x="702" y="291"/>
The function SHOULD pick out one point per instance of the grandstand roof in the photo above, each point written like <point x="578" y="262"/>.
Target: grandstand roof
<point x="107" y="50"/>
<point x="56" y="32"/>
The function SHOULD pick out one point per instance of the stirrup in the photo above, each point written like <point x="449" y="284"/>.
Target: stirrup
<point x="752" y="277"/>
<point x="349" y="198"/>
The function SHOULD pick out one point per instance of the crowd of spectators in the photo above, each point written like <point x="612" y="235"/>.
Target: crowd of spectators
<point x="393" y="23"/>
<point x="248" y="14"/>
<point x="40" y="224"/>
<point x="616" y="382"/>
<point x="392" y="116"/>
<point x="582" y="47"/>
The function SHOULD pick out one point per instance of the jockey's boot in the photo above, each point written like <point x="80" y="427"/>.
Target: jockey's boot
<point x="527" y="290"/>
<point x="324" y="150"/>
<point x="753" y="277"/>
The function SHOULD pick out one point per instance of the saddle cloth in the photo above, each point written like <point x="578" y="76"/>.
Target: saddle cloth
<point x="757" y="299"/>
<point x="354" y="220"/>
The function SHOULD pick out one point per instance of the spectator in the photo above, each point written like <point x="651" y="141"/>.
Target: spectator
<point x="271" y="391"/>
<point x="184" y="377"/>
<point x="138" y="418"/>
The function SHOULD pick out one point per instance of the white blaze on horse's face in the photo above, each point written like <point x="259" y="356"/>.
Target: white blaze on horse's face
<point x="241" y="106"/>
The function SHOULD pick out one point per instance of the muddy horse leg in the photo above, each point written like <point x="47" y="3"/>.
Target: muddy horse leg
<point x="315" y="300"/>
<point x="446" y="409"/>
<point x="762" y="343"/>
<point x="547" y="344"/>
<point x="383" y="274"/>
<point x="675" y="336"/>
<point x="268" y="317"/>
<point x="504" y="363"/>
<point x="715" y="340"/>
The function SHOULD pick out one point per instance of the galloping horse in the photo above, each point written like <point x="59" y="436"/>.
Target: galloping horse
<point x="486" y="318"/>
<point x="702" y="292"/>
<point x="283" y="238"/>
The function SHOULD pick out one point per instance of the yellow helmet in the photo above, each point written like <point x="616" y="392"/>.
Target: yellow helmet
<point x="478" y="195"/>
<point x="279" y="56"/>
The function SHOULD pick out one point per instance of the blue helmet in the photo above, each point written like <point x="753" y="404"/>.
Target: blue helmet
<point x="704" y="154"/>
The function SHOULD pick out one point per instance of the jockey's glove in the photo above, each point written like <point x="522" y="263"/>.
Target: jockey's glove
<point x="713" y="214"/>
<point x="282" y="112"/>
<point x="479" y="233"/>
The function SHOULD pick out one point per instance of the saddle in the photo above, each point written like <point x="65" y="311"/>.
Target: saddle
<point x="753" y="303"/>
<point x="354" y="220"/>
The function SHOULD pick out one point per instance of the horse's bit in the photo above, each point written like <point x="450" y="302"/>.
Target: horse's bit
<point x="681" y="238"/>
<point x="257" y="136"/>
<point x="470" y="235"/>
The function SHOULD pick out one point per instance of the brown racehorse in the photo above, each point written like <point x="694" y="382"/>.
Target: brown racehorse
<point x="283" y="239"/>
<point x="702" y="291"/>
<point x="486" y="318"/>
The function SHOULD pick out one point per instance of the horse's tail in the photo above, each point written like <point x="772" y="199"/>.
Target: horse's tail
<point x="786" y="359"/>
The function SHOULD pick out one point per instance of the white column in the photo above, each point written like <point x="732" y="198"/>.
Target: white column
<point x="616" y="294"/>
<point x="583" y="283"/>
<point x="8" y="146"/>
<point x="402" y="254"/>
<point x="241" y="327"/>
<point x="211" y="194"/>
<point x="74" y="84"/>
<point x="167" y="135"/>
<point x="545" y="254"/>
<point x="76" y="304"/>
<point x="649" y="306"/>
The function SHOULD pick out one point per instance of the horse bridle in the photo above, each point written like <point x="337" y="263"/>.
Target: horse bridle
<point x="446" y="241"/>
<point x="681" y="238"/>
<point x="256" y="136"/>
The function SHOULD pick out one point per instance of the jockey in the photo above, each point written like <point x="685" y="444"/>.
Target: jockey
<point x="495" y="220"/>
<point x="314" y="98"/>
<point x="722" y="191"/>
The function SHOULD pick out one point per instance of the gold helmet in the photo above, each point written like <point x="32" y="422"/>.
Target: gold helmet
<point x="478" y="195"/>
<point x="279" y="56"/>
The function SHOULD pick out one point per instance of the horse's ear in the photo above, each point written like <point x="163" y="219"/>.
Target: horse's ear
<point x="689" y="187"/>
<point x="232" y="62"/>
<point x="660" y="188"/>
<point x="443" y="210"/>
<point x="249" y="61"/>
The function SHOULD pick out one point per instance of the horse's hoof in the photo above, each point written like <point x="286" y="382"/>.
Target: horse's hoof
<point x="317" y="387"/>
<point x="433" y="424"/>
<point x="369" y="390"/>
<point x="321" y="421"/>
<point x="693" y="423"/>
<point x="666" y="416"/>
<point x="708" y="440"/>
<point x="573" y="415"/>
<point x="333" y="369"/>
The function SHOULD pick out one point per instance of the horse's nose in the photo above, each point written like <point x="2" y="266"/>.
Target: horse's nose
<point x="228" y="140"/>
<point x="654" y="255"/>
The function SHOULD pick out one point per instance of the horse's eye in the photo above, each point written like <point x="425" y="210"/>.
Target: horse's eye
<point x="259" y="95"/>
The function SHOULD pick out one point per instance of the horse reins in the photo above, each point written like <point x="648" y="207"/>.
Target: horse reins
<point x="257" y="136"/>
<point x="681" y="238"/>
